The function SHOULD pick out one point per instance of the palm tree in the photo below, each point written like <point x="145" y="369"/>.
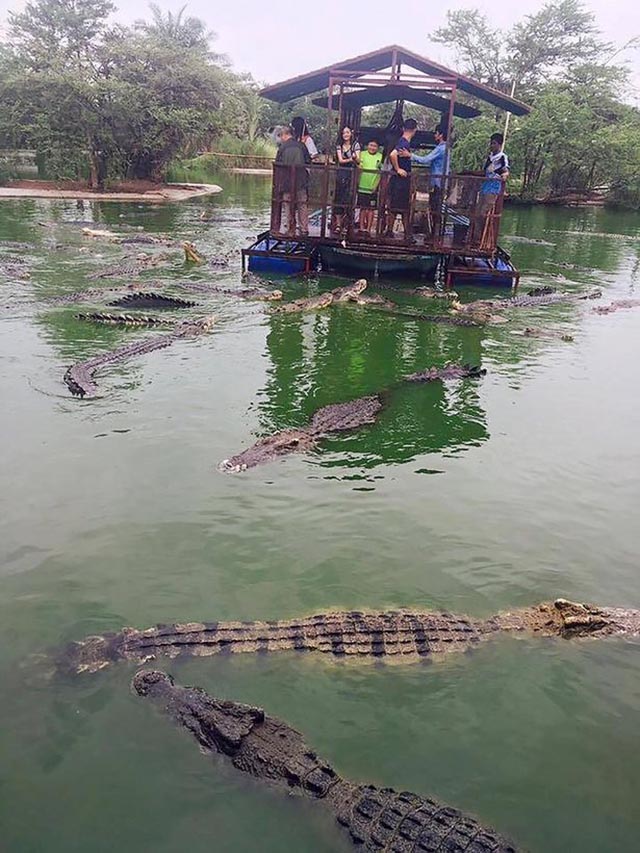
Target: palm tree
<point x="177" y="29"/>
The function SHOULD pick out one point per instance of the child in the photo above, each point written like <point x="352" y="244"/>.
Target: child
<point x="370" y="165"/>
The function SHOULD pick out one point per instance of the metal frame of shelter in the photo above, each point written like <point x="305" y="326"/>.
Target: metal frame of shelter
<point x="390" y="74"/>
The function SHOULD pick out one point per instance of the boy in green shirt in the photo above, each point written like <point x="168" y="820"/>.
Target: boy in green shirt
<point x="369" y="166"/>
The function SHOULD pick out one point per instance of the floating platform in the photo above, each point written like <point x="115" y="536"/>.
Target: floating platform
<point x="376" y="263"/>
<point x="274" y="256"/>
<point x="490" y="272"/>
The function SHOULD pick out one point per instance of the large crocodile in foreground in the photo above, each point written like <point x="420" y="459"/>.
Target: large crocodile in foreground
<point x="377" y="819"/>
<point x="79" y="377"/>
<point x="394" y="634"/>
<point x="338" y="417"/>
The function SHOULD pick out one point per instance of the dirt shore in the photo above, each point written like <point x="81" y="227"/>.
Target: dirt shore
<point x="123" y="191"/>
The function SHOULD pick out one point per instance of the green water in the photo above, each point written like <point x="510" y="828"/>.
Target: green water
<point x="471" y="497"/>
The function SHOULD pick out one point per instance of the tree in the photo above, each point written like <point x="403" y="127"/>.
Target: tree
<point x="122" y="100"/>
<point x="540" y="48"/>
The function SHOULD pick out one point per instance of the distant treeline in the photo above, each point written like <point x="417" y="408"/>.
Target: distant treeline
<point x="107" y="102"/>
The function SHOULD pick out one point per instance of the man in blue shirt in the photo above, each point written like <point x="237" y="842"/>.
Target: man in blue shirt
<point x="437" y="161"/>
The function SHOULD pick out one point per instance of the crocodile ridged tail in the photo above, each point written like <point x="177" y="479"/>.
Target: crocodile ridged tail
<point x="385" y="821"/>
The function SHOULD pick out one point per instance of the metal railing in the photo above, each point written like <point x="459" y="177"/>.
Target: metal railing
<point x="454" y="214"/>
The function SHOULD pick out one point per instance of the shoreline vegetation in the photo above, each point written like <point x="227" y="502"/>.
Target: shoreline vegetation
<point x="100" y="102"/>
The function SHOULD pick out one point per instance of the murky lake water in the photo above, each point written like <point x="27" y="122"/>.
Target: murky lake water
<point x="472" y="497"/>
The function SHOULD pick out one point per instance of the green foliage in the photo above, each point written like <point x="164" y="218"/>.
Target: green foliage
<point x="7" y="171"/>
<point x="573" y="140"/>
<point x="113" y="102"/>
<point x="542" y="47"/>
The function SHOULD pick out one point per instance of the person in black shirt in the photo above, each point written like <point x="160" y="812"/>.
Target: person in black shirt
<point x="400" y="182"/>
<point x="292" y="181"/>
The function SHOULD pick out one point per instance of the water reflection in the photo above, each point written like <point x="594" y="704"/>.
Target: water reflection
<point x="348" y="352"/>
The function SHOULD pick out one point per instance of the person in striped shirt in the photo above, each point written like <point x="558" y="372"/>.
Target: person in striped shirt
<point x="496" y="173"/>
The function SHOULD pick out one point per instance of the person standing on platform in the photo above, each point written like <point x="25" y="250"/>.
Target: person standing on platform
<point x="496" y="173"/>
<point x="436" y="161"/>
<point x="370" y="165"/>
<point x="292" y="180"/>
<point x="348" y="157"/>
<point x="399" y="191"/>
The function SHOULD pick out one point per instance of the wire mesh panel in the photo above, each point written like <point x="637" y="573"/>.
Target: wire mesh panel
<point x="423" y="212"/>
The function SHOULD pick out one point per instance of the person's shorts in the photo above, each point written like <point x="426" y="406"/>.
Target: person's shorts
<point x="399" y="193"/>
<point x="368" y="199"/>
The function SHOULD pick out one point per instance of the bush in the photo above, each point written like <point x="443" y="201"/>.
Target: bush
<point x="7" y="172"/>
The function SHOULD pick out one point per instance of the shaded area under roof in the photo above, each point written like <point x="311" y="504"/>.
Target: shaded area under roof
<point x="378" y="60"/>
<point x="398" y="92"/>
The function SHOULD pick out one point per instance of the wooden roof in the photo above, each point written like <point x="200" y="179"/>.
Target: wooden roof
<point x="378" y="60"/>
<point x="398" y="92"/>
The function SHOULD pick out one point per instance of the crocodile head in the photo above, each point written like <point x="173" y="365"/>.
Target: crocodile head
<point x="191" y="254"/>
<point x="218" y="725"/>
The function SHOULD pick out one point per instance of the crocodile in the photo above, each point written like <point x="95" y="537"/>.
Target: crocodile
<point x="132" y="266"/>
<point x="192" y="255"/>
<point x="348" y="293"/>
<point x="79" y="377"/>
<point x="125" y="319"/>
<point x="379" y="820"/>
<point x="374" y="299"/>
<point x="129" y="239"/>
<point x="545" y="290"/>
<point x="530" y="300"/>
<point x="616" y="305"/>
<point x="150" y="299"/>
<point x="94" y="294"/>
<point x="424" y="292"/>
<point x="258" y="293"/>
<point x="394" y="634"/>
<point x="454" y="319"/>
<point x="337" y="417"/>
<point x="483" y="310"/>
<point x="533" y="332"/>
<point x="313" y="303"/>
<point x="14" y="270"/>
<point x="449" y="371"/>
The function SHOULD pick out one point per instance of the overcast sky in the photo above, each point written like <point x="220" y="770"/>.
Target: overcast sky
<point x="276" y="39"/>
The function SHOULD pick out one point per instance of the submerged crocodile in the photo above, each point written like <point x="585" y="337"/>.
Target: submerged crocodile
<point x="125" y="319"/>
<point x="377" y="819"/>
<point x="132" y="266"/>
<point x="449" y="371"/>
<point x="94" y="294"/>
<point x="394" y="634"/>
<point x="616" y="305"/>
<point x="534" y="332"/>
<point x="337" y="417"/>
<point x="79" y="377"/>
<point x="536" y="297"/>
<point x="258" y="293"/>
